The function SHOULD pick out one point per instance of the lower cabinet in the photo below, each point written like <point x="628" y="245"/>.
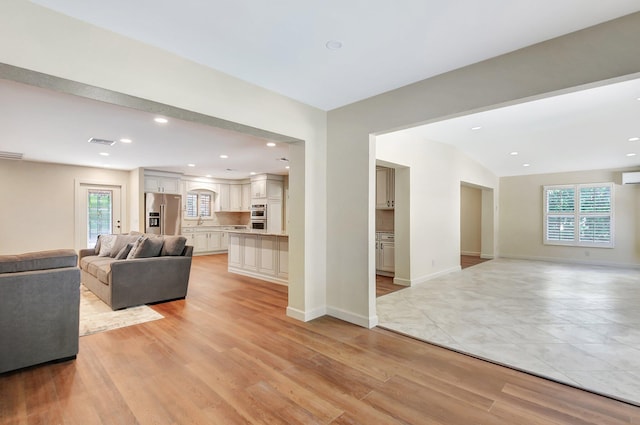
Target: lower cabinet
<point x="385" y="254"/>
<point x="264" y="257"/>
<point x="206" y="241"/>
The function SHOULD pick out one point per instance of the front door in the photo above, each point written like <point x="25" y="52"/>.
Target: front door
<point x="98" y="212"/>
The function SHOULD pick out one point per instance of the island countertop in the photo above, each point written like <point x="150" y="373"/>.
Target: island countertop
<point x="258" y="232"/>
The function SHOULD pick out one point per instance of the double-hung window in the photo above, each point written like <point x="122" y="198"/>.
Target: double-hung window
<point x="198" y="204"/>
<point x="579" y="215"/>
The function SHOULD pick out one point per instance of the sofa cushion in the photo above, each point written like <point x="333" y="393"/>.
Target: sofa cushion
<point x="41" y="260"/>
<point x="121" y="242"/>
<point x="173" y="245"/>
<point x="149" y="247"/>
<point x="95" y="263"/>
<point x="106" y="245"/>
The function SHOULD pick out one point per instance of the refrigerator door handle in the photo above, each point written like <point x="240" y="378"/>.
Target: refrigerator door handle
<point x="162" y="218"/>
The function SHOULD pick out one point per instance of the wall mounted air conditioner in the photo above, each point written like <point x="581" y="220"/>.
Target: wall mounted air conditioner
<point x="631" y="178"/>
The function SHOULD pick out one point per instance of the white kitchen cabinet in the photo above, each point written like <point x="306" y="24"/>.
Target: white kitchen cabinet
<point x="206" y="241"/>
<point x="264" y="257"/>
<point x="274" y="216"/>
<point x="250" y="253"/>
<point x="387" y="257"/>
<point x="223" y="200"/>
<point x="224" y="241"/>
<point x="162" y="184"/>
<point x="234" y="259"/>
<point x="385" y="253"/>
<point x="274" y="190"/>
<point x="385" y="188"/>
<point x="282" y="270"/>
<point x="235" y="197"/>
<point x="246" y="197"/>
<point x="259" y="189"/>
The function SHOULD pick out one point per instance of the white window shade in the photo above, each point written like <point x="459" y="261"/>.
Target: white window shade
<point x="579" y="215"/>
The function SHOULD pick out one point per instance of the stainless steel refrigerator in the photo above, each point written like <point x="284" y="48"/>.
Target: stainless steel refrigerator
<point x="163" y="213"/>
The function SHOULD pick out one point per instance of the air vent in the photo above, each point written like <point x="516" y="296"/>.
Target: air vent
<point x="10" y="155"/>
<point x="103" y="142"/>
<point x="283" y="159"/>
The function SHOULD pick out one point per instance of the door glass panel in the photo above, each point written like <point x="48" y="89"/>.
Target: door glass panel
<point x="99" y="214"/>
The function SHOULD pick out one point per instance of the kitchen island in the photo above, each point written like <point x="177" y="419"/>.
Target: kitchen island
<point x="259" y="254"/>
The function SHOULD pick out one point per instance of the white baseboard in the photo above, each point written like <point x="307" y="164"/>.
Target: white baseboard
<point x="471" y="253"/>
<point x="305" y="316"/>
<point x="356" y="319"/>
<point x="431" y="276"/>
<point x="401" y="281"/>
<point x="572" y="261"/>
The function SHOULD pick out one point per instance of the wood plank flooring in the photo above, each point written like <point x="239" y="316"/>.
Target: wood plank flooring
<point x="229" y="355"/>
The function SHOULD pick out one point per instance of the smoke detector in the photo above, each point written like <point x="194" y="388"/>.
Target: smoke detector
<point x="103" y="142"/>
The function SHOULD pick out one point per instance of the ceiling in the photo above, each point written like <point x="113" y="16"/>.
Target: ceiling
<point x="591" y="129"/>
<point x="281" y="46"/>
<point x="51" y="126"/>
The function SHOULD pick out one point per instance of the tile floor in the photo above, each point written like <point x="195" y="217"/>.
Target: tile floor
<point x="575" y="324"/>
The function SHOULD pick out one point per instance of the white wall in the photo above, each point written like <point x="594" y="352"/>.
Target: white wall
<point x="591" y="56"/>
<point x="38" y="203"/>
<point x="521" y="219"/>
<point x="39" y="39"/>
<point x="470" y="220"/>
<point x="436" y="171"/>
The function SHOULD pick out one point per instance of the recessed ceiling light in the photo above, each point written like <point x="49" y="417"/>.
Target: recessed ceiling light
<point x="477" y="127"/>
<point x="208" y="175"/>
<point x="334" y="45"/>
<point x="125" y="140"/>
<point x="104" y="153"/>
<point x="224" y="156"/>
<point x="191" y="165"/>
<point x="634" y="139"/>
<point x="271" y="144"/>
<point x="287" y="167"/>
<point x="161" y="120"/>
<point x="513" y="153"/>
<point x="526" y="165"/>
<point x="631" y="154"/>
<point x="253" y="173"/>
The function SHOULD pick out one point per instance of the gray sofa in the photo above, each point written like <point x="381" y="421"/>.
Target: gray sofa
<point x="39" y="308"/>
<point x="158" y="271"/>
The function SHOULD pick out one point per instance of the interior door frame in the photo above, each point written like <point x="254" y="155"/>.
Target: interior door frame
<point x="79" y="241"/>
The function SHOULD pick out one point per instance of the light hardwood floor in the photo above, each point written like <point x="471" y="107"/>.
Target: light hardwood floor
<point x="229" y="355"/>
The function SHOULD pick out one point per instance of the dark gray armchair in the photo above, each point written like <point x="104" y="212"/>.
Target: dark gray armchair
<point x="39" y="308"/>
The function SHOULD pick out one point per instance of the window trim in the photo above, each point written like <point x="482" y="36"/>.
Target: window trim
<point x="577" y="215"/>
<point x="198" y="194"/>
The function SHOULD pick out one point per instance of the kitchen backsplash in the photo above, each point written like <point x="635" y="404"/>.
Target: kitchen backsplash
<point x="384" y="220"/>
<point x="222" y="219"/>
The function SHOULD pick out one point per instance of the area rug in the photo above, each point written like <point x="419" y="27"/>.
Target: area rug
<point x="96" y="316"/>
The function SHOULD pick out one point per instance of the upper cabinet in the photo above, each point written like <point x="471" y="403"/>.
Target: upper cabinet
<point x="385" y="188"/>
<point x="233" y="197"/>
<point x="265" y="187"/>
<point x="162" y="183"/>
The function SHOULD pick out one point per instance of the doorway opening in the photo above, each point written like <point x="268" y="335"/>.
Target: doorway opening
<point x="476" y="224"/>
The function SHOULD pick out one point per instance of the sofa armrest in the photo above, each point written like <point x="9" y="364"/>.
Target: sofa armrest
<point x="85" y="252"/>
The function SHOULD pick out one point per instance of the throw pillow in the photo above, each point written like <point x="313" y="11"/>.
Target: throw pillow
<point x="106" y="244"/>
<point x="173" y="245"/>
<point x="121" y="241"/>
<point x="122" y="254"/>
<point x="135" y="246"/>
<point x="150" y="247"/>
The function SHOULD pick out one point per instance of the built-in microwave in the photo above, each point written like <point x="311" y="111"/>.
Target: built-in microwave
<point x="258" y="212"/>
